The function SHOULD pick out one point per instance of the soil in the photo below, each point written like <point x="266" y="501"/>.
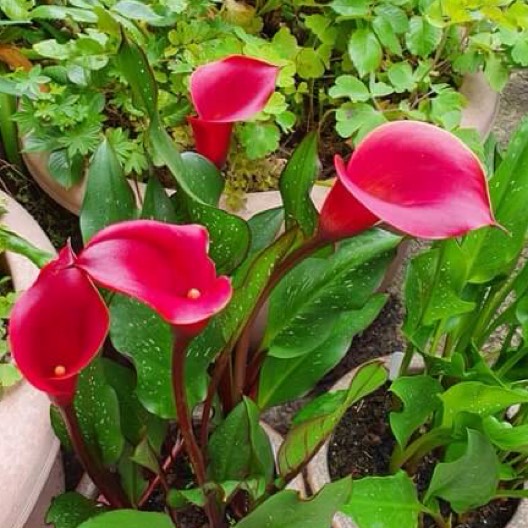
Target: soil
<point x="59" y="224"/>
<point x="362" y="446"/>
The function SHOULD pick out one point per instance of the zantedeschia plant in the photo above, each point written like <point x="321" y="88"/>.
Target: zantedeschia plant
<point x="189" y="339"/>
<point x="224" y="92"/>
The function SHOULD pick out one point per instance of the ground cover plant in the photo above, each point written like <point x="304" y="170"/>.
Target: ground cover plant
<point x="466" y="317"/>
<point x="344" y="65"/>
<point x="177" y="287"/>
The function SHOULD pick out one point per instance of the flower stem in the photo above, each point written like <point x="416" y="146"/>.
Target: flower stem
<point x="302" y="252"/>
<point x="181" y="342"/>
<point x="106" y="481"/>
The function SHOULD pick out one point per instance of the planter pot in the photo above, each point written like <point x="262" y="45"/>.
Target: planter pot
<point x="30" y="465"/>
<point x="479" y="113"/>
<point x="318" y="473"/>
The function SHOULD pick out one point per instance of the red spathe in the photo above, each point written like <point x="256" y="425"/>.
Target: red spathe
<point x="413" y="176"/>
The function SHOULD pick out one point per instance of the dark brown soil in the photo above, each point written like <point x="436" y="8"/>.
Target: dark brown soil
<point x="362" y="446"/>
<point x="59" y="224"/>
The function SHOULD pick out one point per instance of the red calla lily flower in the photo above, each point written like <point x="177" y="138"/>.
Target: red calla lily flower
<point x="223" y="92"/>
<point x="59" y="324"/>
<point x="413" y="176"/>
<point x="163" y="265"/>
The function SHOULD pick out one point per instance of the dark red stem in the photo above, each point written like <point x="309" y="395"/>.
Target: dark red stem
<point x="106" y="481"/>
<point x="157" y="480"/>
<point x="181" y="342"/>
<point x="280" y="271"/>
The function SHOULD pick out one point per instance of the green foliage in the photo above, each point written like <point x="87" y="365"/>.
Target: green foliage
<point x="287" y="510"/>
<point x="466" y="315"/>
<point x="69" y="510"/>
<point x="396" y="503"/>
<point x="108" y="198"/>
<point x="369" y="60"/>
<point x="239" y="448"/>
<point x="128" y="518"/>
<point x="469" y="481"/>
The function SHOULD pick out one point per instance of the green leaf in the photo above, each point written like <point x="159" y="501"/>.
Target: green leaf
<point x="145" y="456"/>
<point x="135" y="67"/>
<point x="56" y="12"/>
<point x="157" y="204"/>
<point x="419" y="395"/>
<point x="17" y="10"/>
<point x="136" y="422"/>
<point x="137" y="11"/>
<point x="204" y="180"/>
<point x="520" y="52"/>
<point x="305" y="304"/>
<point x="506" y="436"/>
<point x="108" y="198"/>
<point x="422" y="37"/>
<point x="385" y="32"/>
<point x="365" y="51"/>
<point x="357" y="119"/>
<point x="309" y="64"/>
<point x="251" y="284"/>
<point x="472" y="480"/>
<point x="9" y="375"/>
<point x="321" y="26"/>
<point x="139" y="333"/>
<point x="265" y="227"/>
<point x="259" y="139"/>
<point x="282" y="380"/>
<point x="129" y="519"/>
<point x="351" y="8"/>
<point x="390" y="502"/>
<point x="477" y="398"/>
<point x="351" y="87"/>
<point x="65" y="170"/>
<point x="287" y="510"/>
<point x="297" y="181"/>
<point x="305" y="439"/>
<point x="496" y="72"/>
<point x="132" y="476"/>
<point x="71" y="509"/>
<point x="97" y="409"/>
<point x="401" y="76"/>
<point x="239" y="449"/>
<point x="494" y="251"/>
<point x="395" y="15"/>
